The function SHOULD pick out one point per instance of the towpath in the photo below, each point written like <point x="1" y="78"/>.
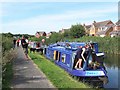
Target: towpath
<point x="27" y="75"/>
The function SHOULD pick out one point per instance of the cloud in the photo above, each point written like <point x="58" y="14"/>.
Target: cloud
<point x="56" y="21"/>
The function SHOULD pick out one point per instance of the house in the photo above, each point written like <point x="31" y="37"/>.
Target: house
<point x="87" y="28"/>
<point x="63" y="30"/>
<point x="49" y="34"/>
<point x="115" y="33"/>
<point x="38" y="34"/>
<point x="106" y="31"/>
<point x="101" y="28"/>
<point x="116" y="30"/>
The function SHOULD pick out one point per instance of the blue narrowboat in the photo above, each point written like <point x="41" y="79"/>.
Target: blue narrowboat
<point x="65" y="57"/>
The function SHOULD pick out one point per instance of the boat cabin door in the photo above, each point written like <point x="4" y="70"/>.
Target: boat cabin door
<point x="56" y="55"/>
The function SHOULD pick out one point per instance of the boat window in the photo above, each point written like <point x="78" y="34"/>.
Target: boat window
<point x="63" y="58"/>
<point x="58" y="58"/>
<point x="56" y="55"/>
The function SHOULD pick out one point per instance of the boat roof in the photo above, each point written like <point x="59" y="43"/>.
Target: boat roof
<point x="62" y="49"/>
<point x="61" y="46"/>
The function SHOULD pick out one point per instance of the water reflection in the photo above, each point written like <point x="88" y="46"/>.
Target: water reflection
<point x="111" y="64"/>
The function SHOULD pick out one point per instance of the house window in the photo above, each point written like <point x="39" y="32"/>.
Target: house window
<point x="101" y="28"/>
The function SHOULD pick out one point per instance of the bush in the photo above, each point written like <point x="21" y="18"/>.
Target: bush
<point x="6" y="42"/>
<point x="7" y="57"/>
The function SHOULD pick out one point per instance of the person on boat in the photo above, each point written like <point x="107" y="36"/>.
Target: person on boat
<point x="68" y="45"/>
<point x="80" y="56"/>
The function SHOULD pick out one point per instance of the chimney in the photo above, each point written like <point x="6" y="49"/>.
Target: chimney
<point x="94" y="21"/>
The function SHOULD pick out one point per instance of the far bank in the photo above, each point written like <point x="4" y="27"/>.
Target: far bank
<point x="106" y="44"/>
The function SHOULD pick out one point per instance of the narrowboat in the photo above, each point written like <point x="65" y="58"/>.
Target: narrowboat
<point x="64" y="55"/>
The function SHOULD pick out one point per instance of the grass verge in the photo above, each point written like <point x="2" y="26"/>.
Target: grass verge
<point x="7" y="76"/>
<point x="55" y="74"/>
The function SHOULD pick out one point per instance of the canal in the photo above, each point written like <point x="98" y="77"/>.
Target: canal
<point x="113" y="70"/>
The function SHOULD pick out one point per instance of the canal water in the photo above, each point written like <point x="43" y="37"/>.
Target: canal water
<point x="113" y="70"/>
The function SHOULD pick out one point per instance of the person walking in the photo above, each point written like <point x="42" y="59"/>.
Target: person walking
<point x="18" y="42"/>
<point x="24" y="43"/>
<point x="14" y="43"/>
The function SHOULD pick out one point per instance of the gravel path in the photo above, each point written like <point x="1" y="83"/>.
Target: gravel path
<point x="27" y="75"/>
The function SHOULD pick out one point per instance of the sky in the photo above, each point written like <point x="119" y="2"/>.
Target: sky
<point x="30" y="17"/>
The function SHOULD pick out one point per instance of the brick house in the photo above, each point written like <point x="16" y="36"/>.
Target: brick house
<point x="116" y="30"/>
<point x="49" y="34"/>
<point x="99" y="28"/>
<point x="106" y="31"/>
<point x="38" y="34"/>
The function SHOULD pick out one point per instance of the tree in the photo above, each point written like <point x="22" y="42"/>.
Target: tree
<point x="66" y="33"/>
<point x="77" y="31"/>
<point x="55" y="37"/>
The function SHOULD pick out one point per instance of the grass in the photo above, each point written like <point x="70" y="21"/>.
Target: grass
<point x="59" y="77"/>
<point x="7" y="74"/>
